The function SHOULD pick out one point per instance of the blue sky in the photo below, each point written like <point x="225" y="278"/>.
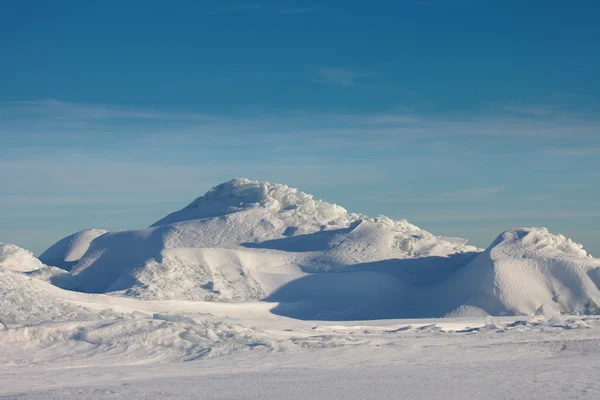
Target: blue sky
<point x="464" y="117"/>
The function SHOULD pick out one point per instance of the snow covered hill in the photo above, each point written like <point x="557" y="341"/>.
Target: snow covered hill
<point x="243" y="241"/>
<point x="249" y="241"/>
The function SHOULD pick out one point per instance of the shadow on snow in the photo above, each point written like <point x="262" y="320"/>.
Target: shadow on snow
<point x="389" y="289"/>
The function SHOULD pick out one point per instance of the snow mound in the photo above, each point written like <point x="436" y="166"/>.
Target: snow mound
<point x="531" y="271"/>
<point x="246" y="240"/>
<point x="243" y="240"/>
<point x="18" y="259"/>
<point x="287" y="203"/>
<point x="66" y="252"/>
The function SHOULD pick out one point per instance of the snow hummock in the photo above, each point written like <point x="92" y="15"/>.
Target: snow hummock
<point x="66" y="252"/>
<point x="16" y="258"/>
<point x="530" y="271"/>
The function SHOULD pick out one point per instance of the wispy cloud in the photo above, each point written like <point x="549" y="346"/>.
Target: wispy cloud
<point x="291" y="11"/>
<point x="53" y="108"/>
<point x="58" y="123"/>
<point x="570" y="186"/>
<point x="237" y="8"/>
<point x="273" y="9"/>
<point x="496" y="215"/>
<point x="340" y="76"/>
<point x="467" y="194"/>
<point x="535" y="110"/>
<point x="570" y="151"/>
<point x="482" y="194"/>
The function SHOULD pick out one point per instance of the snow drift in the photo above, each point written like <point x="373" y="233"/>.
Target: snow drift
<point x="66" y="252"/>
<point x="248" y="241"/>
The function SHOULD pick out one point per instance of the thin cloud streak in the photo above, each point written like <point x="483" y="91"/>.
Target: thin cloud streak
<point x="339" y="76"/>
<point x="292" y="11"/>
<point x="53" y="108"/>
<point x="546" y="215"/>
<point x="272" y="9"/>
<point x="54" y="122"/>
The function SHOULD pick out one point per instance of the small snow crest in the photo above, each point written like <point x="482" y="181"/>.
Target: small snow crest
<point x="541" y="240"/>
<point x="241" y="194"/>
<point x="15" y="258"/>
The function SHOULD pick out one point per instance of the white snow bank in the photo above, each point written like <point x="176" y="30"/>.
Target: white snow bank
<point x="530" y="270"/>
<point x="66" y="252"/>
<point x="18" y="259"/>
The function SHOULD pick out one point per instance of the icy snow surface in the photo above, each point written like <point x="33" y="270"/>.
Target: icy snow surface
<point x="273" y="294"/>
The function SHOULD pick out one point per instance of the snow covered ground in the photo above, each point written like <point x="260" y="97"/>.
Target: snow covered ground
<point x="76" y="345"/>
<point x="504" y="357"/>
<point x="256" y="290"/>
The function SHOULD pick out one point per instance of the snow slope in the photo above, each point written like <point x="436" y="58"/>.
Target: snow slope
<point x="66" y="252"/>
